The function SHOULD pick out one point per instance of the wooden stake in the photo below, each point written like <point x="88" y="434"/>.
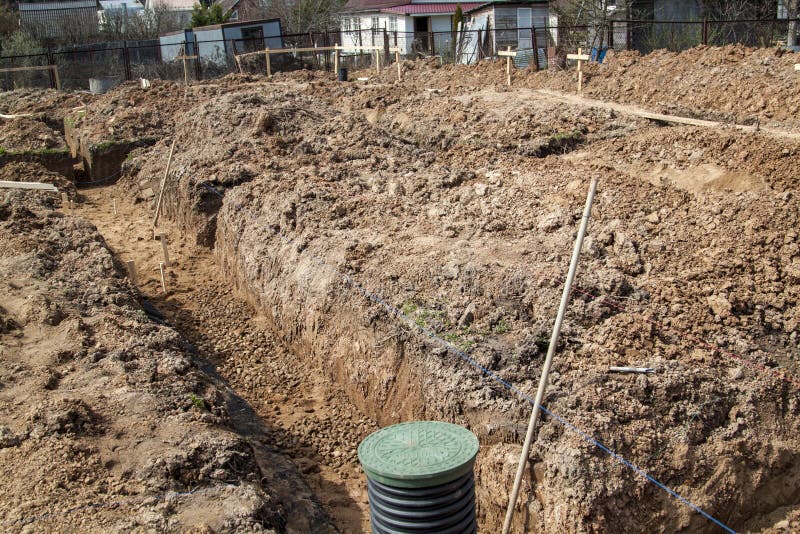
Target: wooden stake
<point x="164" y="182"/>
<point x="115" y="205"/>
<point x="508" y="68"/>
<point x="336" y="60"/>
<point x="269" y="65"/>
<point x="64" y="203"/>
<point x="548" y="361"/>
<point x="163" y="238"/>
<point x="378" y="61"/>
<point x="163" y="281"/>
<point x="399" y="67"/>
<point x="132" y="272"/>
<point x="57" y="77"/>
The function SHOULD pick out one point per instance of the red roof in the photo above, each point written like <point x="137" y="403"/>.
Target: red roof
<point x="424" y="9"/>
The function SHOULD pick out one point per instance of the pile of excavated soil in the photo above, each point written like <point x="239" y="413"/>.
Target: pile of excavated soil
<point x="34" y="172"/>
<point x="24" y="133"/>
<point x="458" y="207"/>
<point x="109" y="420"/>
<point x="730" y="83"/>
<point x="460" y="213"/>
<point x="49" y="104"/>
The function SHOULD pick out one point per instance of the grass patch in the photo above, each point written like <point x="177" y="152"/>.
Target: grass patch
<point x="35" y="152"/>
<point x="197" y="402"/>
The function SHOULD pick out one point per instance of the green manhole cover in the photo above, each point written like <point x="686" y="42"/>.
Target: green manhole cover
<point x="418" y="454"/>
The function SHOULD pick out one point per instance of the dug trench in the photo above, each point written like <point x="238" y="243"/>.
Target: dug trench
<point x="458" y="208"/>
<point x="306" y="207"/>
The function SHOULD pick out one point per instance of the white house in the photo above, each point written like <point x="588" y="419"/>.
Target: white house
<point x="418" y="25"/>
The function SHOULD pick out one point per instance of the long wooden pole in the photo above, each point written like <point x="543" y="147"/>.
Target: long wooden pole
<point x="164" y="183"/>
<point x="548" y="361"/>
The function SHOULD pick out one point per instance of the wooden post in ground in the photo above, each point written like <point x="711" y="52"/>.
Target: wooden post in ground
<point x="336" y="60"/>
<point x="163" y="281"/>
<point x="132" y="272"/>
<point x="64" y="203"/>
<point x="57" y="77"/>
<point x="164" y="183"/>
<point x="269" y="64"/>
<point x="535" y="48"/>
<point x="399" y="66"/>
<point x="580" y="57"/>
<point x="115" y="205"/>
<point x="163" y="238"/>
<point x="185" y="69"/>
<point x="508" y="68"/>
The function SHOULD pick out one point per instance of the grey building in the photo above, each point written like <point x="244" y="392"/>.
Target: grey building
<point x="70" y="20"/>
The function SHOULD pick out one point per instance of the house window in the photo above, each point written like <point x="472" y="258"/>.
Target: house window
<point x="346" y="24"/>
<point x="375" y="23"/>
<point x="392" y="24"/>
<point x="234" y="15"/>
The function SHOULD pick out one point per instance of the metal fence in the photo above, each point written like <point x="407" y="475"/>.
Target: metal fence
<point x="544" y="46"/>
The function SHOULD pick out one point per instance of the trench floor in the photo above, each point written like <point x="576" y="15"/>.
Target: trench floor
<point x="311" y="420"/>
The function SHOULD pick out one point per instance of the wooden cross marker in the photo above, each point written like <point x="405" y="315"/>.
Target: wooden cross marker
<point x="508" y="55"/>
<point x="580" y="57"/>
<point x="269" y="65"/>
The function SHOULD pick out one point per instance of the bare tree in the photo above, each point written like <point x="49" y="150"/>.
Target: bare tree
<point x="593" y="17"/>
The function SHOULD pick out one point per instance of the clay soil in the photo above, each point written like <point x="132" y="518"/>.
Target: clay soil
<point x="320" y="232"/>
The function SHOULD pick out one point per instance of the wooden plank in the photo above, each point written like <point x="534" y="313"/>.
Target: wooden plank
<point x="184" y="58"/>
<point x="21" y="69"/>
<point x="317" y="49"/>
<point x="578" y="57"/>
<point x="507" y="53"/>
<point x="39" y="186"/>
<point x="797" y="66"/>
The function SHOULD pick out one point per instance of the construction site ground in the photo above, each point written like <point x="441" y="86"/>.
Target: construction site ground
<point x="335" y="248"/>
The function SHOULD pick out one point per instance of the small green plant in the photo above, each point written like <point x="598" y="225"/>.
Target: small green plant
<point x="501" y="327"/>
<point x="197" y="402"/>
<point x="142" y="315"/>
<point x="2" y="151"/>
<point x="409" y="307"/>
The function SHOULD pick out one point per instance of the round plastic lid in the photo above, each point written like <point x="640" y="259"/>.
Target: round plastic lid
<point x="418" y="454"/>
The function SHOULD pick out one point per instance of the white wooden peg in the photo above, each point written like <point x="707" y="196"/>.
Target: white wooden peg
<point x="163" y="238"/>
<point x="163" y="281"/>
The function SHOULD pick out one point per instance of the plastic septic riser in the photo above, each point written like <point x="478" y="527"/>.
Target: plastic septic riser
<point x="419" y="478"/>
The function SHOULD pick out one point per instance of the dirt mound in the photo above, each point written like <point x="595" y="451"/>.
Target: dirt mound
<point x="48" y="105"/>
<point x="459" y="209"/>
<point x="731" y="83"/>
<point x="35" y="172"/>
<point x="112" y="422"/>
<point x="23" y="133"/>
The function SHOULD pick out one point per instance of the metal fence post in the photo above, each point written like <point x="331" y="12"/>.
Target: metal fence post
<point x="704" y="32"/>
<point x="535" y="48"/>
<point x="197" y="67"/>
<point x="51" y="61"/>
<point x="126" y="58"/>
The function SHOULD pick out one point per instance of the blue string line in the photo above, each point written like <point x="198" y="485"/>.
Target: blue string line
<point x="464" y="356"/>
